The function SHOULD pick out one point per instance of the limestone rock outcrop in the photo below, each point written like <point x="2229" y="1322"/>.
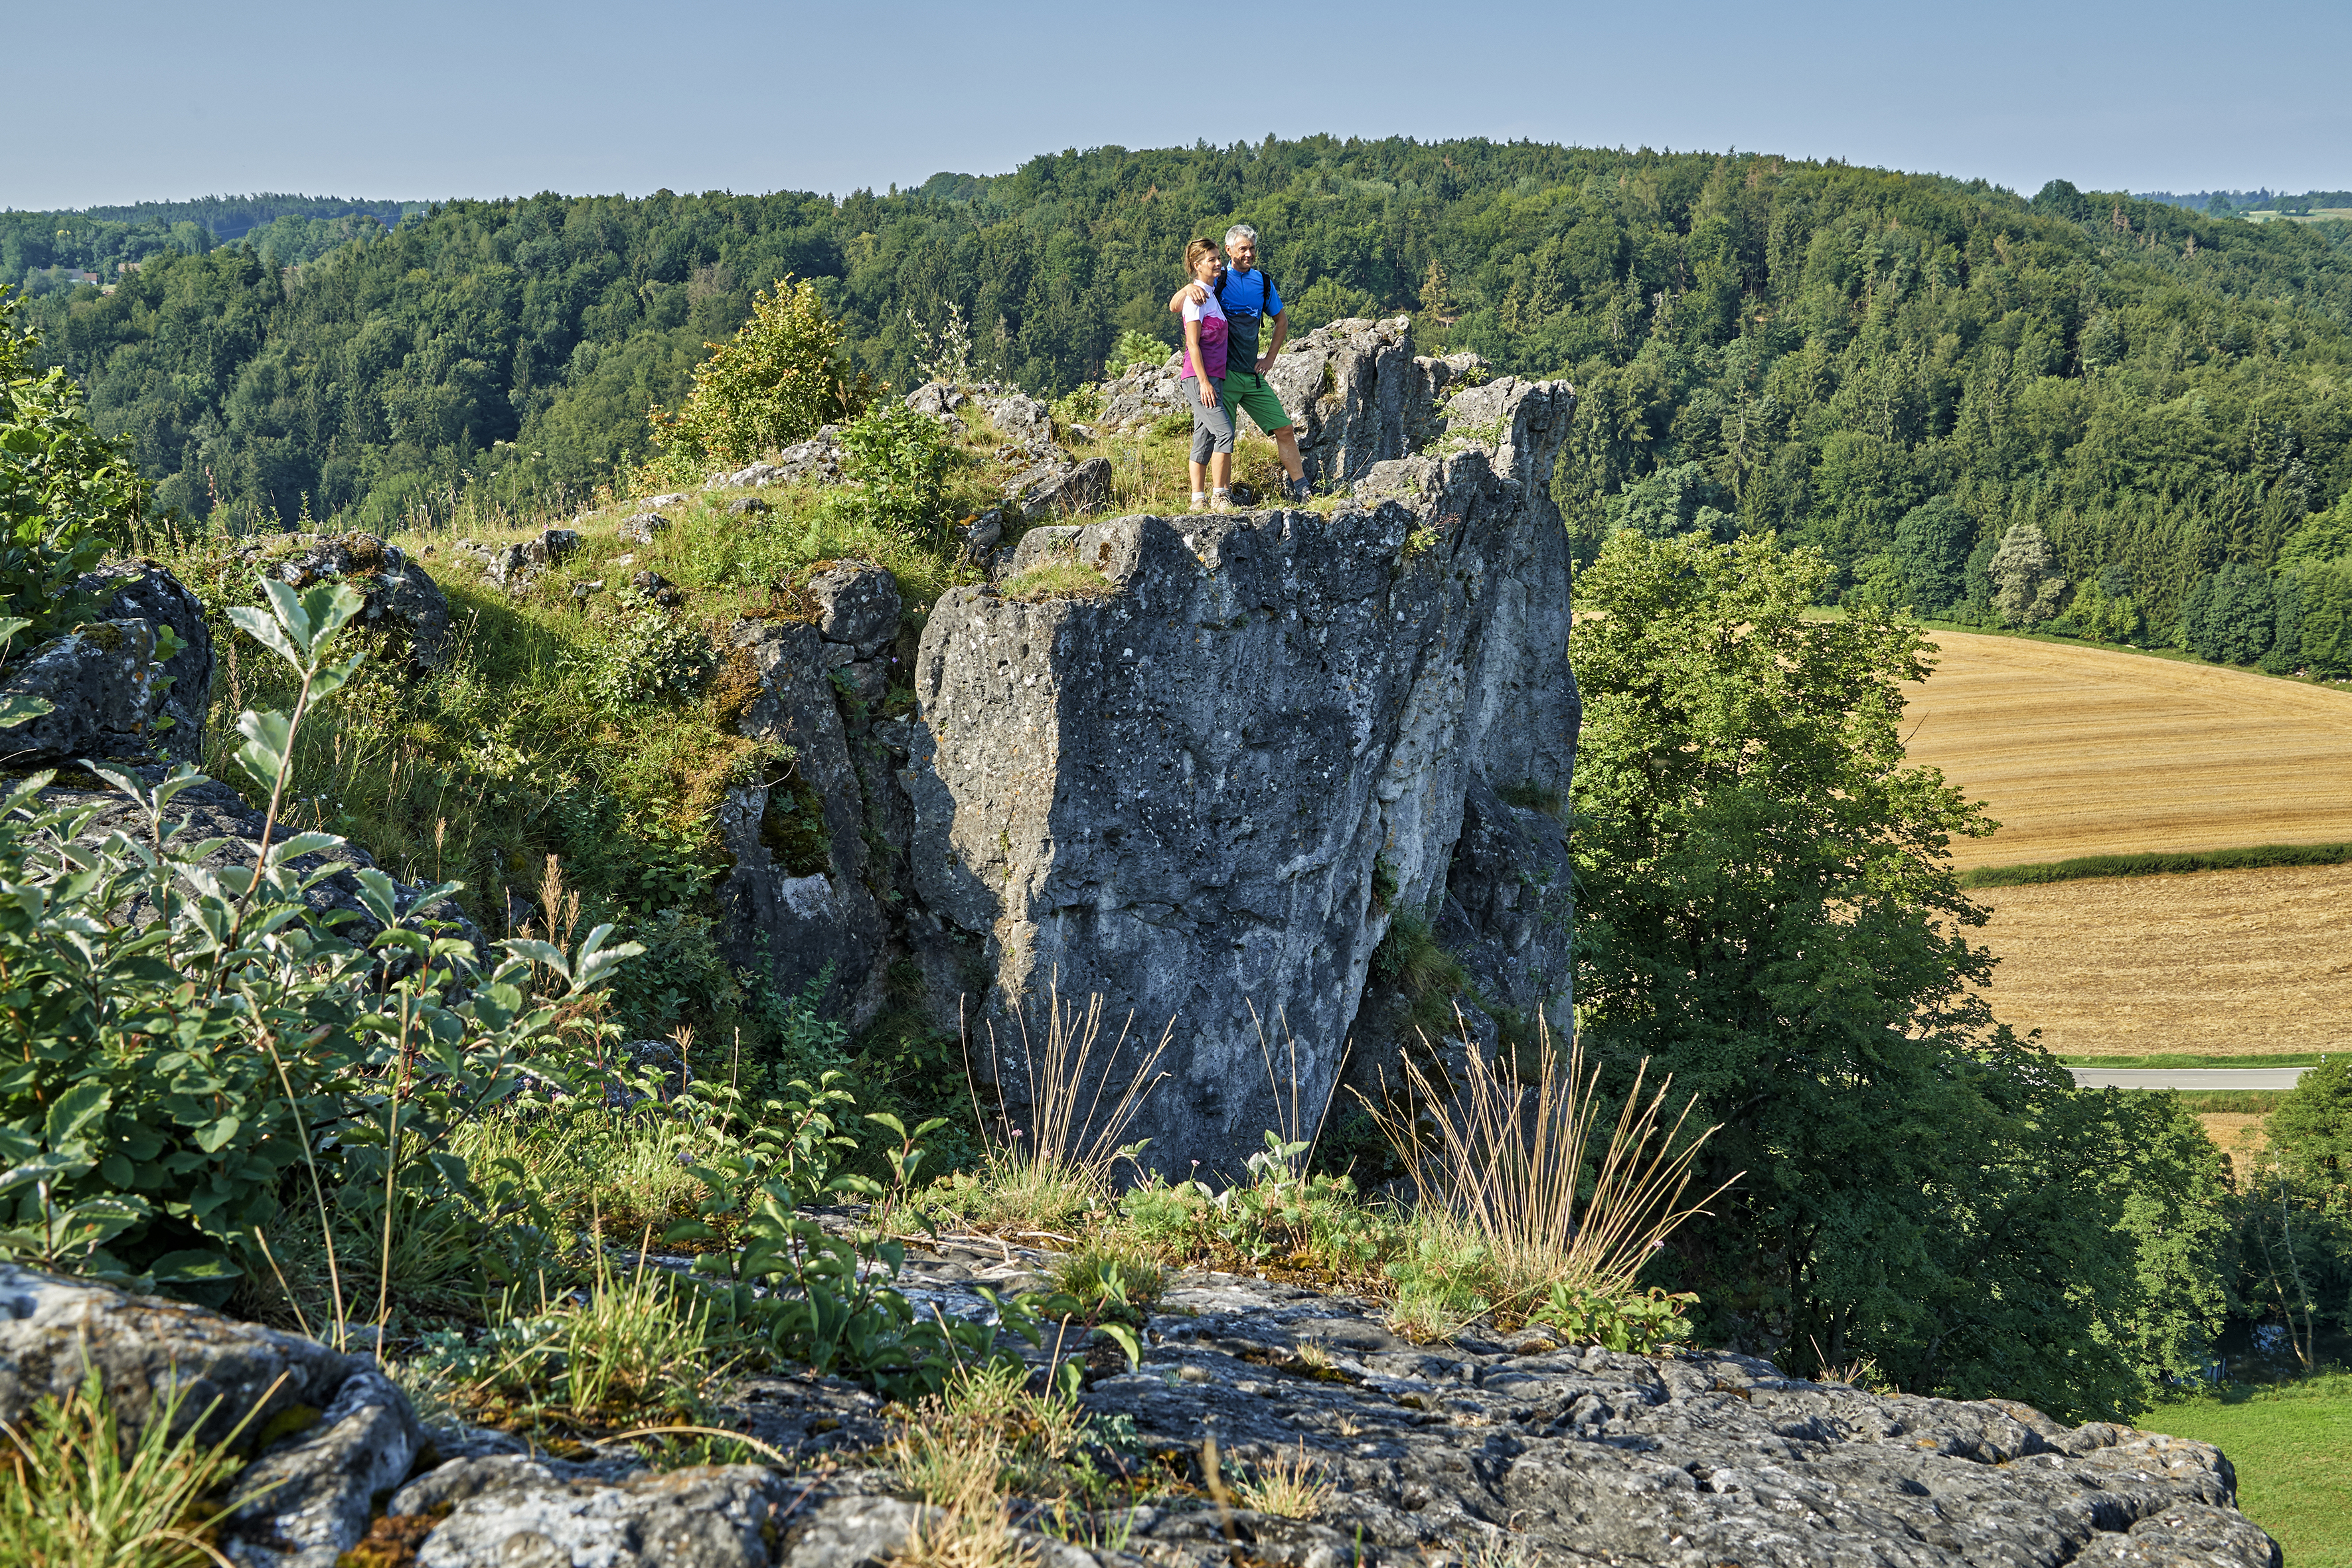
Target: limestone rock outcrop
<point x="1359" y="395"/>
<point x="1205" y="797"/>
<point x="1495" y="1449"/>
<point x="1211" y="787"/>
<point x="109" y="696"/>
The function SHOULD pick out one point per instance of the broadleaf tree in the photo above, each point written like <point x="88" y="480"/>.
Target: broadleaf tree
<point x="1768" y="908"/>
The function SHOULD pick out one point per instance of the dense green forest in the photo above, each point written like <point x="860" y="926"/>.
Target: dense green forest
<point x="42" y="251"/>
<point x="1903" y="369"/>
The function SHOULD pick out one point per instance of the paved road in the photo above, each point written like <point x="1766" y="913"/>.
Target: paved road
<point x="2185" y="1077"/>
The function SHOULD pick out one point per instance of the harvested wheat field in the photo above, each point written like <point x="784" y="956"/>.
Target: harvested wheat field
<point x="2083" y="751"/>
<point x="2240" y="1134"/>
<point x="2213" y="964"/>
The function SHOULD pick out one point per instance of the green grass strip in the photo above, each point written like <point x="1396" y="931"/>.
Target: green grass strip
<point x="2178" y="1059"/>
<point x="2161" y="863"/>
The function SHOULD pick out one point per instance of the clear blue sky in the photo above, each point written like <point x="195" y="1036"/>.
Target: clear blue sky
<point x="139" y="101"/>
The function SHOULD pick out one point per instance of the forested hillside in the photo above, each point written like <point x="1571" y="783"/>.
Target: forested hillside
<point x="1901" y="368"/>
<point x="37" y="248"/>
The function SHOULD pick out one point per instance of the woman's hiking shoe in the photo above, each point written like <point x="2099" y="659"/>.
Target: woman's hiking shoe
<point x="1222" y="501"/>
<point x="1199" y="500"/>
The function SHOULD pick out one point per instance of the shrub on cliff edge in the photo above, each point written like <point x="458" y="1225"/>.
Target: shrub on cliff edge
<point x="781" y="377"/>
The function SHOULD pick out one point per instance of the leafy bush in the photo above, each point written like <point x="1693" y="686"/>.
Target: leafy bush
<point x="1641" y="1323"/>
<point x="170" y="1081"/>
<point x="900" y="458"/>
<point x="652" y="656"/>
<point x="65" y="490"/>
<point x="781" y="377"/>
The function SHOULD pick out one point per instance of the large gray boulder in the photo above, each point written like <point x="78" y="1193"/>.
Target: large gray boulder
<point x="401" y="598"/>
<point x="142" y="590"/>
<point x="1358" y="394"/>
<point x="109" y="696"/>
<point x="1061" y="487"/>
<point x="99" y="682"/>
<point x="1490" y="1448"/>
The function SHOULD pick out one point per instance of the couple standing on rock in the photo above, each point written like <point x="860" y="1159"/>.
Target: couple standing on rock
<point x="1223" y="312"/>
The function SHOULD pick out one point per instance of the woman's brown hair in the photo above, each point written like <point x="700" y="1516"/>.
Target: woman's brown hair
<point x="1192" y="253"/>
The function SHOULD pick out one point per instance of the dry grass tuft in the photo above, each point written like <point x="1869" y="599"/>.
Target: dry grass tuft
<point x="1500" y="1186"/>
<point x="1286" y="1486"/>
<point x="1056" y="1161"/>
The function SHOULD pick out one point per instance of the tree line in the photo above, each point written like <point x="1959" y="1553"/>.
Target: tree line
<point x="1899" y="369"/>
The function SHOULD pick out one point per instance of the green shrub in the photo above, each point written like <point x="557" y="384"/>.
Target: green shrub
<point x="781" y="377"/>
<point x="171" y="1084"/>
<point x="1134" y="349"/>
<point x="651" y="657"/>
<point x="901" y="460"/>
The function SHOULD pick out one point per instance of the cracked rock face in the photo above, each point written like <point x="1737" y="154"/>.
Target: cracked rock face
<point x="1209" y="792"/>
<point x="1212" y="789"/>
<point x="1502" y="1451"/>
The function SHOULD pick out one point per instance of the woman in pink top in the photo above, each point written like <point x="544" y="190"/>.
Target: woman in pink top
<point x="1204" y="367"/>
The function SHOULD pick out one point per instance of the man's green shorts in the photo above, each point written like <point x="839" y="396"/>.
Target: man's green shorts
<point x="1249" y="394"/>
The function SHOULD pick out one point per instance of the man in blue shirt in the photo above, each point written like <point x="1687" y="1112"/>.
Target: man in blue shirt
<point x="1249" y="297"/>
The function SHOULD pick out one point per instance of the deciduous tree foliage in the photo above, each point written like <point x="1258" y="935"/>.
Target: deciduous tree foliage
<point x="1768" y="908"/>
<point x="66" y="492"/>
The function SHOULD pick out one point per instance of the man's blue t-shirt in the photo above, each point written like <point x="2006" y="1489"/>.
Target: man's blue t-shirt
<point x="1248" y="298"/>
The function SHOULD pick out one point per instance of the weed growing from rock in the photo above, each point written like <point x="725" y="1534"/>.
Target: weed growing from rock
<point x="1062" y="579"/>
<point x="1287" y="1486"/>
<point x="75" y="1492"/>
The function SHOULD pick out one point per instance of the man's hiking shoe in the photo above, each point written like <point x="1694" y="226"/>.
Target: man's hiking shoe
<point x="1299" y="491"/>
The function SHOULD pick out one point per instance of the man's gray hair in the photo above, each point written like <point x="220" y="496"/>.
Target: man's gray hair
<point x="1241" y="231"/>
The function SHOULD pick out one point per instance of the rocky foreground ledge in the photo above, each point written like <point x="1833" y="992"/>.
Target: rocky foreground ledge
<point x="1485" y="1452"/>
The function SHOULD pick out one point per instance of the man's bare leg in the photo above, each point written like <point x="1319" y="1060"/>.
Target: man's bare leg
<point x="1286" y="444"/>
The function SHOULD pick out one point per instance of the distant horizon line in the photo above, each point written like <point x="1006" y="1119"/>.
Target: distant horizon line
<point x="891" y="188"/>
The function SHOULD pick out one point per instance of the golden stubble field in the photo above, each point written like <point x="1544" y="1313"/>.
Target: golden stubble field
<point x="2217" y="963"/>
<point x="2082" y="751"/>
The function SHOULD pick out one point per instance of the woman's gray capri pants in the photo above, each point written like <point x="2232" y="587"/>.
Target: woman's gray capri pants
<point x="1212" y="427"/>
